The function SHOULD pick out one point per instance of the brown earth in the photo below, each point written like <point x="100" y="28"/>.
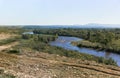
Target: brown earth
<point x="5" y="36"/>
<point x="43" y="65"/>
<point x="7" y="46"/>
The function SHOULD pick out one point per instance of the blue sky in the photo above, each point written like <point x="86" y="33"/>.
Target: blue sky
<point x="61" y="12"/>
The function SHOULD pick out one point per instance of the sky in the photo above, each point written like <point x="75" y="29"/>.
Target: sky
<point x="59" y="12"/>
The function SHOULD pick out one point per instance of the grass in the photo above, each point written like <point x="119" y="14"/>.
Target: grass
<point x="9" y="40"/>
<point x="6" y="76"/>
<point x="3" y="75"/>
<point x="88" y="44"/>
<point x="46" y="48"/>
<point x="114" y="46"/>
<point x="14" y="51"/>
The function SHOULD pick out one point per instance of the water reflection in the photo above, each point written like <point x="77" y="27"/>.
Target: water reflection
<point x="107" y="54"/>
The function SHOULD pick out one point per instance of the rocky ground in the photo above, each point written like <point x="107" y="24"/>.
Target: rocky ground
<point x="43" y="65"/>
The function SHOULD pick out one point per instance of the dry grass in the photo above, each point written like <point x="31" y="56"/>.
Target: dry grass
<point x="6" y="36"/>
<point x="7" y="46"/>
<point x="43" y="65"/>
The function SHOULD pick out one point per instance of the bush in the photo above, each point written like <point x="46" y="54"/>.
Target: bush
<point x="40" y="37"/>
<point x="3" y="75"/>
<point x="14" y="51"/>
<point x="42" y="46"/>
<point x="7" y="76"/>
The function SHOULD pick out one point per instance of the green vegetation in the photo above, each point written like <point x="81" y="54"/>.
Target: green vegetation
<point x="14" y="51"/>
<point x="9" y="40"/>
<point x="36" y="55"/>
<point x="7" y="76"/>
<point x="40" y="37"/>
<point x="88" y="44"/>
<point x="39" y="43"/>
<point x="11" y="29"/>
<point x="11" y="34"/>
<point x="113" y="46"/>
<point x="3" y="75"/>
<point x="108" y="39"/>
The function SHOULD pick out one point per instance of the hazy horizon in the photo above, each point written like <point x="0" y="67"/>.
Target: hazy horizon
<point x="59" y="12"/>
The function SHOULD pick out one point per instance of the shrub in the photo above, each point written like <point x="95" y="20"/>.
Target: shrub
<point x="14" y="51"/>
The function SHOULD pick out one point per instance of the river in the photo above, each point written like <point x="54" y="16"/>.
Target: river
<point x="65" y="42"/>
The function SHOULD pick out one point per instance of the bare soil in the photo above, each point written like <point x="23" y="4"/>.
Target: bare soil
<point x="4" y="47"/>
<point x="43" y="65"/>
<point x="5" y="36"/>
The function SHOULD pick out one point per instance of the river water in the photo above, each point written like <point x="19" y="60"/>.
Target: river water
<point x="65" y="42"/>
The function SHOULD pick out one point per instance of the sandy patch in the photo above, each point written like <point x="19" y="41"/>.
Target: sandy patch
<point x="5" y="36"/>
<point x="3" y="47"/>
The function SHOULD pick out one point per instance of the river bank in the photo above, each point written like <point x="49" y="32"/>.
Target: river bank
<point x="65" y="42"/>
<point x="96" y="46"/>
